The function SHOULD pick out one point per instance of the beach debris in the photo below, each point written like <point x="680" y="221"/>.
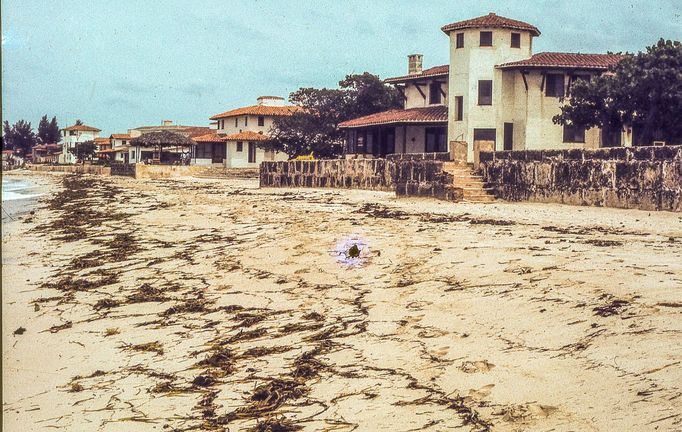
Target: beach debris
<point x="382" y="211"/>
<point x="106" y="304"/>
<point x="280" y="424"/>
<point x="75" y="388"/>
<point x="352" y="251"/>
<point x="147" y="293"/>
<point x="203" y="381"/>
<point x="112" y="331"/>
<point x="19" y="331"/>
<point x="614" y="307"/>
<point x="58" y="328"/>
<point x="155" y="347"/>
<point x="222" y="358"/>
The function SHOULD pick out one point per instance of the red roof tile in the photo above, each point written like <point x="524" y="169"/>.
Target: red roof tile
<point x="211" y="137"/>
<point x="434" y="114"/>
<point x="263" y="110"/>
<point x="246" y="136"/>
<point x="121" y="136"/>
<point x="102" y="141"/>
<point x="565" y="60"/>
<point x="82" y="128"/>
<point x="491" y="21"/>
<point x="194" y="131"/>
<point x="435" y="71"/>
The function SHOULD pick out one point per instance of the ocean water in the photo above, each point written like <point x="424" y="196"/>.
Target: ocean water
<point x="17" y="189"/>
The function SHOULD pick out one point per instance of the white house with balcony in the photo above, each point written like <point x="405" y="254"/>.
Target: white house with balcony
<point x="234" y="142"/>
<point x="71" y="135"/>
<point x="493" y="89"/>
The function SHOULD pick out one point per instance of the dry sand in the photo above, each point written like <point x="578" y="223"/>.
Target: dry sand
<point x="198" y="304"/>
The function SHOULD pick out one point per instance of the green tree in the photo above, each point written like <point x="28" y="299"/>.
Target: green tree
<point x="54" y="134"/>
<point x="79" y="122"/>
<point x="315" y="127"/>
<point x="84" y="150"/>
<point x="19" y="137"/>
<point x="642" y="90"/>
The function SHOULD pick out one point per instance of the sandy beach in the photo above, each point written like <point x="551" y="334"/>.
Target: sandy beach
<point x="196" y="304"/>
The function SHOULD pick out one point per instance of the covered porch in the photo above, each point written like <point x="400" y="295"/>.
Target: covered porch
<point x="416" y="130"/>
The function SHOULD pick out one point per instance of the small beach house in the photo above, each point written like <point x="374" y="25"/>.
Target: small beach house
<point x="234" y="142"/>
<point x="71" y="135"/>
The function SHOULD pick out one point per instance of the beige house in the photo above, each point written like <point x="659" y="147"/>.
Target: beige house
<point x="71" y="135"/>
<point x="121" y="143"/>
<point x="493" y="89"/>
<point x="234" y="142"/>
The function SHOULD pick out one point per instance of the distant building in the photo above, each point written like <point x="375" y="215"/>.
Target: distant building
<point x="46" y="153"/>
<point x="234" y="142"/>
<point x="130" y="154"/>
<point x="75" y="134"/>
<point x="493" y="89"/>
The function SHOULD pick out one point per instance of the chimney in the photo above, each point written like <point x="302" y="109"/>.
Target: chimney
<point x="414" y="64"/>
<point x="168" y="122"/>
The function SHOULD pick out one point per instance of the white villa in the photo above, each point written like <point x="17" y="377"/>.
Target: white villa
<point x="234" y="141"/>
<point x="493" y="89"/>
<point x="71" y="135"/>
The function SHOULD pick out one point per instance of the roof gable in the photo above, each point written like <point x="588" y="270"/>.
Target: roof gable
<point x="260" y="110"/>
<point x="491" y="21"/>
<point x="435" y="71"/>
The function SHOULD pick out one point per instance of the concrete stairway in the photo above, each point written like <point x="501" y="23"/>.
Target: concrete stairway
<point x="228" y="173"/>
<point x="474" y="188"/>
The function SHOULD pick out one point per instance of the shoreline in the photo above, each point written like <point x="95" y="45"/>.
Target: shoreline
<point x="217" y="304"/>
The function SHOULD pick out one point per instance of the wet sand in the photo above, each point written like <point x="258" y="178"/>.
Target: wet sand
<point x="214" y="305"/>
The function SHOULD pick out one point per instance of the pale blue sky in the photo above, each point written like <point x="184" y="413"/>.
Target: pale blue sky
<point x="122" y="64"/>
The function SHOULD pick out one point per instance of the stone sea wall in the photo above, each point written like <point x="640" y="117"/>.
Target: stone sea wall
<point x="646" y="178"/>
<point x="414" y="177"/>
<point x="76" y="169"/>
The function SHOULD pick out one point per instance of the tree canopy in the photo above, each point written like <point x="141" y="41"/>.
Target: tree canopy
<point x="83" y="150"/>
<point x="642" y="90"/>
<point x="315" y="128"/>
<point x="19" y="137"/>
<point x="48" y="131"/>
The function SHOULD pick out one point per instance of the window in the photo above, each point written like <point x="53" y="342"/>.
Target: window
<point x="72" y="133"/>
<point x="236" y="121"/>
<point x="459" y="107"/>
<point x="574" y="134"/>
<point x="261" y="121"/>
<point x="516" y="40"/>
<point x="246" y="120"/>
<point x="460" y="40"/>
<point x="434" y="93"/>
<point x="485" y="135"/>
<point x="240" y="146"/>
<point x="123" y="142"/>
<point x="486" y="39"/>
<point x="554" y="85"/>
<point x="436" y="140"/>
<point x="485" y="92"/>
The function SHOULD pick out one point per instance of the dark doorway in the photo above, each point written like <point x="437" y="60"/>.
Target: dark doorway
<point x="252" y="152"/>
<point x="436" y="140"/>
<point x="509" y="136"/>
<point x="485" y="135"/>
<point x="219" y="152"/>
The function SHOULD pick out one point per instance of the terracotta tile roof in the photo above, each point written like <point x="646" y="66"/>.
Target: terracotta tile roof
<point x="435" y="71"/>
<point x="102" y="141"/>
<point x="565" y="60"/>
<point x="491" y="21"/>
<point x="434" y="114"/>
<point x="83" y="128"/>
<point x="121" y="136"/>
<point x="246" y="136"/>
<point x="263" y="110"/>
<point x="122" y="149"/>
<point x="211" y="137"/>
<point x="194" y="131"/>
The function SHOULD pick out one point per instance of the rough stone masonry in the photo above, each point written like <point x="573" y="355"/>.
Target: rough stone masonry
<point x="646" y="178"/>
